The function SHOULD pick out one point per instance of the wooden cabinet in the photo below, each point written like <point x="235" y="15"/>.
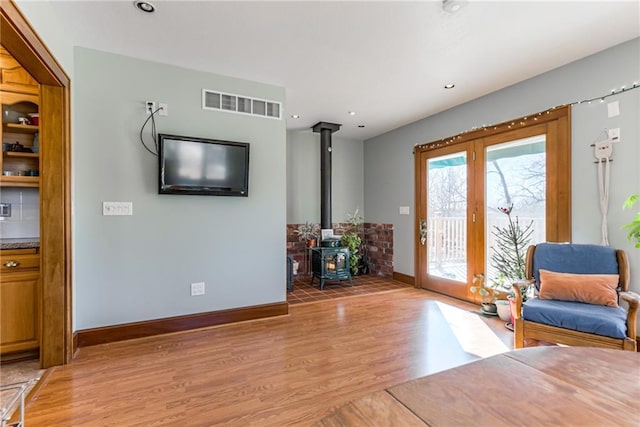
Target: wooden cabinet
<point x="13" y="77"/>
<point x="19" y="300"/>
<point x="19" y="96"/>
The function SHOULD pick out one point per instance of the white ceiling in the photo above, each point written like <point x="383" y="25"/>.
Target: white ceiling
<point x="387" y="61"/>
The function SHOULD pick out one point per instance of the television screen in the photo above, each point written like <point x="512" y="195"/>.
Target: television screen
<point x="203" y="166"/>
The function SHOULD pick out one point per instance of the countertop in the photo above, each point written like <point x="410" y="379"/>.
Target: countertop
<point x="26" y="243"/>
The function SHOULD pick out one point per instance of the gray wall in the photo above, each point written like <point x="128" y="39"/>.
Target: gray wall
<point x="132" y="268"/>
<point x="45" y="21"/>
<point x="388" y="158"/>
<point x="303" y="177"/>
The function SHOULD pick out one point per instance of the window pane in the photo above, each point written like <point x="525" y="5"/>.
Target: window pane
<point x="515" y="205"/>
<point x="447" y="217"/>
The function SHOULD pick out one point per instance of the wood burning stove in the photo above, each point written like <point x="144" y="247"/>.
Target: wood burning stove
<point x="330" y="263"/>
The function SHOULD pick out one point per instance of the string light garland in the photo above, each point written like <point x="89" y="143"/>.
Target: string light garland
<point x="520" y="122"/>
<point x="613" y="92"/>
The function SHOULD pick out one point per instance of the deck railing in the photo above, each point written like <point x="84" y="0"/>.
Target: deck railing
<point x="447" y="236"/>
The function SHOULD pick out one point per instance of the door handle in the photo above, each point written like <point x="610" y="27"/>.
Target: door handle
<point x="423" y="232"/>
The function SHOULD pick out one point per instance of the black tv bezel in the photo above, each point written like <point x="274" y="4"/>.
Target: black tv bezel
<point x="202" y="191"/>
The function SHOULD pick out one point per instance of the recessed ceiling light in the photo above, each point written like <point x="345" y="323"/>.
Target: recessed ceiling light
<point x="352" y="113"/>
<point x="144" y="6"/>
<point x="452" y="6"/>
<point x="449" y="86"/>
<point x="295" y="116"/>
<point x="360" y="126"/>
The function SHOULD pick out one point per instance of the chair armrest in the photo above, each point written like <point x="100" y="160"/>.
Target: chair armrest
<point x="517" y="286"/>
<point x="631" y="297"/>
<point x="633" y="300"/>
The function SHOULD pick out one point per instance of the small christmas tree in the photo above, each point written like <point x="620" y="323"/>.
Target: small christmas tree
<point x="511" y="246"/>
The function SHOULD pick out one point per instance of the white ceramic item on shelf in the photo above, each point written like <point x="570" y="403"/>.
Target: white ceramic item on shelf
<point x="504" y="311"/>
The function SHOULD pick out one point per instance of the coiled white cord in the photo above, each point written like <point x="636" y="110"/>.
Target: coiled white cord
<point x="603" y="184"/>
<point x="602" y="152"/>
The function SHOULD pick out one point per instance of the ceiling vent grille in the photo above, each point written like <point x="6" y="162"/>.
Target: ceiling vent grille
<point x="212" y="100"/>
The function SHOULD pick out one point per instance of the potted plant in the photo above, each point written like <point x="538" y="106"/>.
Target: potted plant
<point x="505" y="287"/>
<point x="633" y="226"/>
<point x="511" y="247"/>
<point x="352" y="240"/>
<point x="487" y="294"/>
<point x="508" y="256"/>
<point x="308" y="233"/>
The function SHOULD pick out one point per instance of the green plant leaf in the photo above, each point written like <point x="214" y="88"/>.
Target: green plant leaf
<point x="628" y="204"/>
<point x="633" y="226"/>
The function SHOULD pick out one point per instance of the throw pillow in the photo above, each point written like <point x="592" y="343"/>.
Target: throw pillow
<point x="599" y="289"/>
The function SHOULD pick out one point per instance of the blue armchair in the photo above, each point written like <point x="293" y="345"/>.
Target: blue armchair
<point x="564" y="311"/>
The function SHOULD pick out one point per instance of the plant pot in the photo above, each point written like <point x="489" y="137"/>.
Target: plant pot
<point x="504" y="309"/>
<point x="489" y="307"/>
<point x="311" y="243"/>
<point x="512" y="306"/>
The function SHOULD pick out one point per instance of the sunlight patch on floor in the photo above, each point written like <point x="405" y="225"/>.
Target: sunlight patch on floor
<point x="474" y="336"/>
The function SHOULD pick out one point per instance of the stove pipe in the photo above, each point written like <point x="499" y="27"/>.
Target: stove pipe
<point x="325" y="129"/>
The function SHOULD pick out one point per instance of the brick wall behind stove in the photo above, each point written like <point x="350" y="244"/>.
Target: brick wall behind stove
<point x="299" y="249"/>
<point x="377" y="238"/>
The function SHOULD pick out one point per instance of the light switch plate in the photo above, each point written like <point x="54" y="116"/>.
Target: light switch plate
<point x="117" y="208"/>
<point x="613" y="109"/>
<point x="405" y="210"/>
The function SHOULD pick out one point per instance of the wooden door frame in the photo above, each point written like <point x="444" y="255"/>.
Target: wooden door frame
<point x="441" y="284"/>
<point x="21" y="40"/>
<point x="557" y="122"/>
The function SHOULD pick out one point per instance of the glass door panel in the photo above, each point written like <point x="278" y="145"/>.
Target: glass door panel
<point x="515" y="205"/>
<point x="447" y="217"/>
<point x="443" y="226"/>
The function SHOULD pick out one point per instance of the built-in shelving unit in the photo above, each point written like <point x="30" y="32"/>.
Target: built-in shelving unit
<point x="25" y="163"/>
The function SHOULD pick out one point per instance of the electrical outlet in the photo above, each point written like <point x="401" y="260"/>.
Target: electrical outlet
<point x="197" y="289"/>
<point x="164" y="109"/>
<point x="614" y="134"/>
<point x="5" y="210"/>
<point x="149" y="107"/>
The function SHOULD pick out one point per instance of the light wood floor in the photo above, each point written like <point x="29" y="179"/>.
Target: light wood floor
<point x="291" y="370"/>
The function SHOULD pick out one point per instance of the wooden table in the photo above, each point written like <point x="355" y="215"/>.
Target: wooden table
<point x="576" y="386"/>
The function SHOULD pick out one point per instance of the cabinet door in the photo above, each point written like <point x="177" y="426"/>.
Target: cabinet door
<point x="13" y="77"/>
<point x="19" y="312"/>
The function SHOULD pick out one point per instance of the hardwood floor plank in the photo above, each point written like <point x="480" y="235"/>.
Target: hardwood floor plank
<point x="379" y="409"/>
<point x="290" y="370"/>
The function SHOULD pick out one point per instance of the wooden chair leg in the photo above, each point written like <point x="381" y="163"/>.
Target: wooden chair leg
<point x="629" y="344"/>
<point x="518" y="333"/>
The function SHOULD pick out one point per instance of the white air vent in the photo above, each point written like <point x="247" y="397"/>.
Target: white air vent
<point x="228" y="102"/>
<point x="212" y="100"/>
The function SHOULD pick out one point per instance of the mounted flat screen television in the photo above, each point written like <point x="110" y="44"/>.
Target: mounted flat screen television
<point x="203" y="166"/>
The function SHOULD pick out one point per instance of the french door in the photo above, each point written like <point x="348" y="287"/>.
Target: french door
<point x="446" y="219"/>
<point x="466" y="192"/>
